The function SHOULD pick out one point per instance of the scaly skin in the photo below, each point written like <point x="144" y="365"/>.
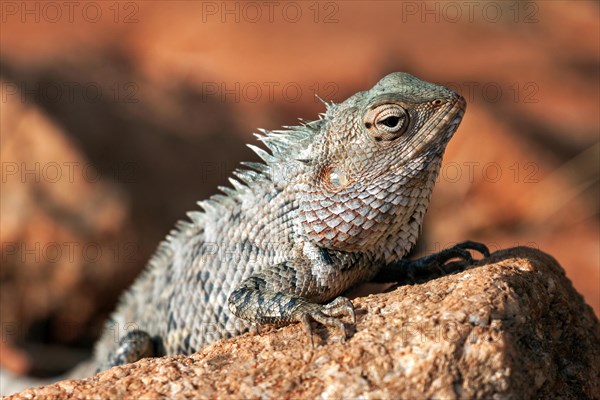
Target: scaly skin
<point x="337" y="202"/>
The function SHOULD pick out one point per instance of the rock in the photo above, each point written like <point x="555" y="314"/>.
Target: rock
<point x="512" y="326"/>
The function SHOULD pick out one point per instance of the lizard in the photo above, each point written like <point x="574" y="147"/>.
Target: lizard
<point x="336" y="202"/>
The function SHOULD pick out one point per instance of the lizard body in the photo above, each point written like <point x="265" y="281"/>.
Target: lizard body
<point x="337" y="202"/>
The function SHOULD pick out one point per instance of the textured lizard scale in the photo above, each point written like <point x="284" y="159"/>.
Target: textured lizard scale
<point x="336" y="201"/>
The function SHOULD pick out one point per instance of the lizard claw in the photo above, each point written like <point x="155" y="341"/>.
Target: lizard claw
<point x="340" y="306"/>
<point x="437" y="262"/>
<point x="327" y="314"/>
<point x="459" y="251"/>
<point x="470" y="245"/>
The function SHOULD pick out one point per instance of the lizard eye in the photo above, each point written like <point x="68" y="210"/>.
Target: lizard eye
<point x="386" y="122"/>
<point x="390" y="122"/>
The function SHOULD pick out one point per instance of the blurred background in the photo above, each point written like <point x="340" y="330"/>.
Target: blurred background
<point x="116" y="117"/>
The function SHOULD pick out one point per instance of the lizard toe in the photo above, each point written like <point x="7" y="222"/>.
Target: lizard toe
<point x="478" y="247"/>
<point x="339" y="307"/>
<point x="329" y="315"/>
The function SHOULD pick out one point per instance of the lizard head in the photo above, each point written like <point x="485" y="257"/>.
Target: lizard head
<point x="375" y="163"/>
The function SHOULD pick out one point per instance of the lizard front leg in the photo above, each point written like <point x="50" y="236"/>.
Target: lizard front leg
<point x="295" y="299"/>
<point x="402" y="269"/>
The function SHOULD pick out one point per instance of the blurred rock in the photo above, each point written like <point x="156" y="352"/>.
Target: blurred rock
<point x="511" y="327"/>
<point x="61" y="223"/>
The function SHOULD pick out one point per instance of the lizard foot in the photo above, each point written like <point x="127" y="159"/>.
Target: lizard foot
<point x="134" y="346"/>
<point x="327" y="314"/>
<point x="438" y="262"/>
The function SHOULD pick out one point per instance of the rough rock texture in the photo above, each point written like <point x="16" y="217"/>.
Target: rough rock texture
<point x="512" y="326"/>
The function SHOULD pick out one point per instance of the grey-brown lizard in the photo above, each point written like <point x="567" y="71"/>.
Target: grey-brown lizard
<point x="337" y="202"/>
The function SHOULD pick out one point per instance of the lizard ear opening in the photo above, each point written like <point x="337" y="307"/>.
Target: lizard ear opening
<point x="386" y="122"/>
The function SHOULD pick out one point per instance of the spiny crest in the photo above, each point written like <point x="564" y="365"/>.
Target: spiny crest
<point x="330" y="107"/>
<point x="283" y="146"/>
<point x="289" y="143"/>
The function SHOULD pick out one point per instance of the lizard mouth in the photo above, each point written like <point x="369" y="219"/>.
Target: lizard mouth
<point x="454" y="117"/>
<point x="447" y="125"/>
<point x="436" y="133"/>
